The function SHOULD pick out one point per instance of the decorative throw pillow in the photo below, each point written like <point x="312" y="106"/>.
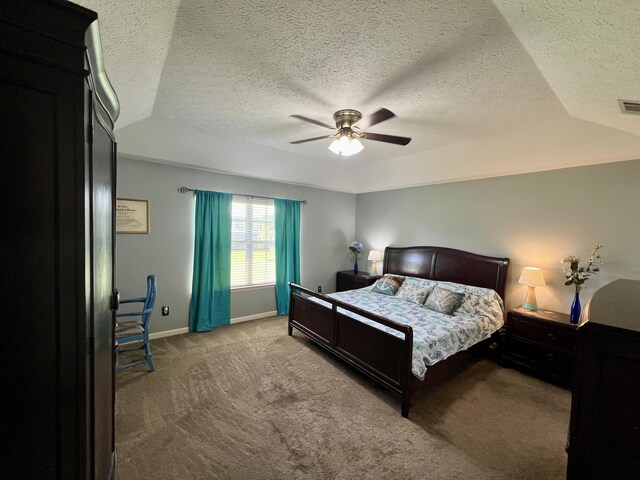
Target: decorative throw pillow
<point x="387" y="285"/>
<point x="413" y="292"/>
<point x="444" y="301"/>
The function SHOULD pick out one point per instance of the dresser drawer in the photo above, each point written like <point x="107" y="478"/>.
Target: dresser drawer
<point x="559" y="360"/>
<point x="541" y="332"/>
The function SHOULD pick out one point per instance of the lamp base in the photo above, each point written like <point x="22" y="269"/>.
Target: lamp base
<point x="530" y="302"/>
<point x="374" y="268"/>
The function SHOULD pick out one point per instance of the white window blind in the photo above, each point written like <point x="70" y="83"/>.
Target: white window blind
<point x="253" y="257"/>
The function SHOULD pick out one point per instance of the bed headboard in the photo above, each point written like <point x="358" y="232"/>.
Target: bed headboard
<point x="449" y="265"/>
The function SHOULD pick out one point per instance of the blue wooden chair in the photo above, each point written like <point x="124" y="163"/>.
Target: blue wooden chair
<point x="134" y="331"/>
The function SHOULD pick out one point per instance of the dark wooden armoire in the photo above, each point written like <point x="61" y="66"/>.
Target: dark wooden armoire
<point x="57" y="154"/>
<point x="604" y="437"/>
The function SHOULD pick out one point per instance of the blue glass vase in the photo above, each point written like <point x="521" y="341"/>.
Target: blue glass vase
<point x="575" y="309"/>
<point x="355" y="266"/>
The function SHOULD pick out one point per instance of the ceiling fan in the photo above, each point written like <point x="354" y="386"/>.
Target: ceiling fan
<point x="347" y="135"/>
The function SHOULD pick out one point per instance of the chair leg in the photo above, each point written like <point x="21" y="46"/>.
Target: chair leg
<point x="147" y="357"/>
<point x="147" y="350"/>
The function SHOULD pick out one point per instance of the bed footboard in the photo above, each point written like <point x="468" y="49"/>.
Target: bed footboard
<point x="383" y="357"/>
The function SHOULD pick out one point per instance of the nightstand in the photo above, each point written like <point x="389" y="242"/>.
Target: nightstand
<point x="347" y="280"/>
<point x="542" y="342"/>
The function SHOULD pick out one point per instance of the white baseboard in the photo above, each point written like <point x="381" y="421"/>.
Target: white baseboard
<point x="254" y="317"/>
<point x="180" y="331"/>
<point x="169" y="333"/>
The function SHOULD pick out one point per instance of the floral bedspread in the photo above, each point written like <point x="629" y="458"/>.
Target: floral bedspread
<point x="436" y="336"/>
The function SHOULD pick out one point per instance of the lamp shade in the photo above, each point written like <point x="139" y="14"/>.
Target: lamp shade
<point x="532" y="276"/>
<point x="375" y="256"/>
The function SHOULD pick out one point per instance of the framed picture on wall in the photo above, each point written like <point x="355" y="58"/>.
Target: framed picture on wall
<point x="132" y="216"/>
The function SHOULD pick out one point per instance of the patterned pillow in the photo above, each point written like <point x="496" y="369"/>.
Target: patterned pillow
<point x="469" y="305"/>
<point x="422" y="282"/>
<point x="488" y="305"/>
<point x="413" y="292"/>
<point x="459" y="287"/>
<point x="395" y="275"/>
<point x="443" y="300"/>
<point x="387" y="285"/>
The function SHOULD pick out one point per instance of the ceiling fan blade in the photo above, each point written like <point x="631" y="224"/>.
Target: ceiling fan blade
<point x="379" y="137"/>
<point x="376" y="117"/>
<point x="310" y="139"/>
<point x="311" y="120"/>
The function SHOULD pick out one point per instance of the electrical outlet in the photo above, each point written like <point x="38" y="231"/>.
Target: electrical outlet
<point x="319" y="288"/>
<point x="165" y="310"/>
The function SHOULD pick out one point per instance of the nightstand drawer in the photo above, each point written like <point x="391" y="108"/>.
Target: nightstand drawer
<point x="357" y="282"/>
<point x="556" y="359"/>
<point x="350" y="282"/>
<point x="347" y="280"/>
<point x="543" y="333"/>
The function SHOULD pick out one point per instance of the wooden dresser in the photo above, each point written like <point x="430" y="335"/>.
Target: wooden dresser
<point x="604" y="438"/>
<point x="542" y="343"/>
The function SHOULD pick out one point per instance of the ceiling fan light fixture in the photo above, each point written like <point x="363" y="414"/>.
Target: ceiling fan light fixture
<point x="335" y="147"/>
<point x="353" y="147"/>
<point x="346" y="146"/>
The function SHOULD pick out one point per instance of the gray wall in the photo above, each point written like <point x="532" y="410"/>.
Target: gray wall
<point x="534" y="219"/>
<point x="327" y="227"/>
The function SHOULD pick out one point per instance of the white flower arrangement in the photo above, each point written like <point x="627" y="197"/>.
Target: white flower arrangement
<point x="577" y="274"/>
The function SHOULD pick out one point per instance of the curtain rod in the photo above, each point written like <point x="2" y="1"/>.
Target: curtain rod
<point x="185" y="190"/>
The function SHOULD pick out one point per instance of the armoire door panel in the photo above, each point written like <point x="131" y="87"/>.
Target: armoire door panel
<point x="29" y="258"/>
<point x="102" y="182"/>
<point x="41" y="268"/>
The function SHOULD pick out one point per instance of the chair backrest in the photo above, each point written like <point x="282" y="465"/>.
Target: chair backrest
<point x="150" y="300"/>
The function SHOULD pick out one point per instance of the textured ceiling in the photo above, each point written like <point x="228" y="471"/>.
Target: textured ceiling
<point x="484" y="88"/>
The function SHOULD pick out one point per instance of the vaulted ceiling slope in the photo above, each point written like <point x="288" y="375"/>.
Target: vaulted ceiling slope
<point x="484" y="88"/>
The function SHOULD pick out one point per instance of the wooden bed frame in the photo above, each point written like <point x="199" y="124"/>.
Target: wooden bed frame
<point x="383" y="357"/>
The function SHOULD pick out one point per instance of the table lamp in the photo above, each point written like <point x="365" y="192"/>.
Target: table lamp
<point x="374" y="256"/>
<point x="531" y="277"/>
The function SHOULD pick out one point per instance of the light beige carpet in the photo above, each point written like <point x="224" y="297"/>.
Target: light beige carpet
<point x="249" y="402"/>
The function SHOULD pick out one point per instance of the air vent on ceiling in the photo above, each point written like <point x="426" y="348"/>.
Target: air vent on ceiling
<point x="628" y="106"/>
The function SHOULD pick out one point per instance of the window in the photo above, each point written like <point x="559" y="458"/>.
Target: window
<point x="253" y="252"/>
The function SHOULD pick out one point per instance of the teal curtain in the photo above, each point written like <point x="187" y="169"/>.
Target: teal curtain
<point x="287" y="230"/>
<point x="211" y="286"/>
